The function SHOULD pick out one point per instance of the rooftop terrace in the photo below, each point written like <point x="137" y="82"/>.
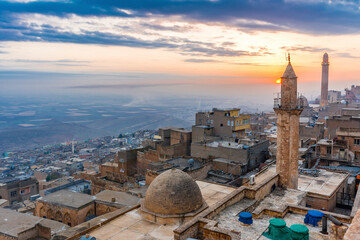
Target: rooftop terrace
<point x="132" y="226"/>
<point x="68" y="199"/>
<point x="12" y="223"/>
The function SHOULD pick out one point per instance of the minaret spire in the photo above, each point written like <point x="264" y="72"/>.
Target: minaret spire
<point x="288" y="58"/>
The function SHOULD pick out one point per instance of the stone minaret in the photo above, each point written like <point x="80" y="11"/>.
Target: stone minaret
<point x="324" y="80"/>
<point x="288" y="114"/>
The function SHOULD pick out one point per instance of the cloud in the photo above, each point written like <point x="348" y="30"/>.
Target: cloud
<point x="345" y="55"/>
<point x="122" y="86"/>
<point x="301" y="48"/>
<point x="194" y="60"/>
<point x="48" y="33"/>
<point x="61" y="61"/>
<point x="331" y="17"/>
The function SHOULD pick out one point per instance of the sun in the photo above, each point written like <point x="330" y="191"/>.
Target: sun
<point x="278" y="81"/>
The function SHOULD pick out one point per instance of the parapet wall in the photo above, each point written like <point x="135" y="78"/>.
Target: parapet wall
<point x="203" y="227"/>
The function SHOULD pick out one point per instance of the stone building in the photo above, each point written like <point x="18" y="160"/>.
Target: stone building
<point x="225" y="122"/>
<point x="288" y="112"/>
<point x="124" y="163"/>
<point x="19" y="190"/>
<point x="175" y="142"/>
<point x="349" y="118"/>
<point x="351" y="142"/>
<point x="70" y="208"/>
<point x="334" y="96"/>
<point x="14" y="225"/>
<point x="249" y="154"/>
<point x="110" y="201"/>
<point x="316" y="131"/>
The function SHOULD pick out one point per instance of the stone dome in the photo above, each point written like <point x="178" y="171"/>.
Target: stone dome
<point x="173" y="192"/>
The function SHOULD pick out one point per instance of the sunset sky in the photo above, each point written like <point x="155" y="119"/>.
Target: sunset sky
<point x="103" y="42"/>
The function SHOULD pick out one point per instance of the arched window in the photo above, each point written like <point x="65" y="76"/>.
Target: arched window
<point x="90" y="215"/>
<point x="49" y="214"/>
<point x="67" y="219"/>
<point x="42" y="212"/>
<point x="58" y="216"/>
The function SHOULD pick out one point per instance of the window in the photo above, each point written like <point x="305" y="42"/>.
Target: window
<point x="328" y="150"/>
<point x="357" y="141"/>
<point x="221" y="125"/>
<point x="228" y="122"/>
<point x="232" y="123"/>
<point x="13" y="194"/>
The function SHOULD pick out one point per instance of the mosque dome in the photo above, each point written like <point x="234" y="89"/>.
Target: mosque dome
<point x="173" y="192"/>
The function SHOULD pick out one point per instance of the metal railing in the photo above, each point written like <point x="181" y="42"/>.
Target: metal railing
<point x="300" y="101"/>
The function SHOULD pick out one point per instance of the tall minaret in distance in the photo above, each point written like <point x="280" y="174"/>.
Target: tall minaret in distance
<point x="288" y="116"/>
<point x="324" y="80"/>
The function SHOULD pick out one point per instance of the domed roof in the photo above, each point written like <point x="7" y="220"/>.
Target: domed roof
<point x="173" y="192"/>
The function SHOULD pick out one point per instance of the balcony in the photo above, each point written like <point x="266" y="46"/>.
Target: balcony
<point x="300" y="101"/>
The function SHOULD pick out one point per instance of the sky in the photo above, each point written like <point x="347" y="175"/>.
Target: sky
<point x="215" y="46"/>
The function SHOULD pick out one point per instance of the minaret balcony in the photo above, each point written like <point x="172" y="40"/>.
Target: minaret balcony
<point x="300" y="103"/>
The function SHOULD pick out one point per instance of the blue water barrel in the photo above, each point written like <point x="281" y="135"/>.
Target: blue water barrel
<point x="245" y="217"/>
<point x="313" y="217"/>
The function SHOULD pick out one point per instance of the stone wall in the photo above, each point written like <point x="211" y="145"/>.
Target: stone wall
<point x="98" y="185"/>
<point x="69" y="216"/>
<point x="202" y="224"/>
<point x="201" y="132"/>
<point x="144" y="159"/>
<point x="354" y="230"/>
<point x="200" y="173"/>
<point x="6" y="237"/>
<point x="103" y="208"/>
<point x="38" y="231"/>
<point x="227" y="167"/>
<point x="252" y="156"/>
<point x="341" y="122"/>
<point x="317" y="131"/>
<point x="203" y="151"/>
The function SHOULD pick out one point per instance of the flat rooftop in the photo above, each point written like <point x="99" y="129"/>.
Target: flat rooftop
<point x="260" y="225"/>
<point x="212" y="192"/>
<point x="132" y="226"/>
<point x="68" y="199"/>
<point x="179" y="163"/>
<point x="325" y="184"/>
<point x="226" y="144"/>
<point x="12" y="223"/>
<point x="121" y="198"/>
<point x="110" y="164"/>
<point x="277" y="200"/>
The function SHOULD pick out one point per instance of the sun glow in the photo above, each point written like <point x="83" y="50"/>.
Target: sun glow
<point x="278" y="81"/>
